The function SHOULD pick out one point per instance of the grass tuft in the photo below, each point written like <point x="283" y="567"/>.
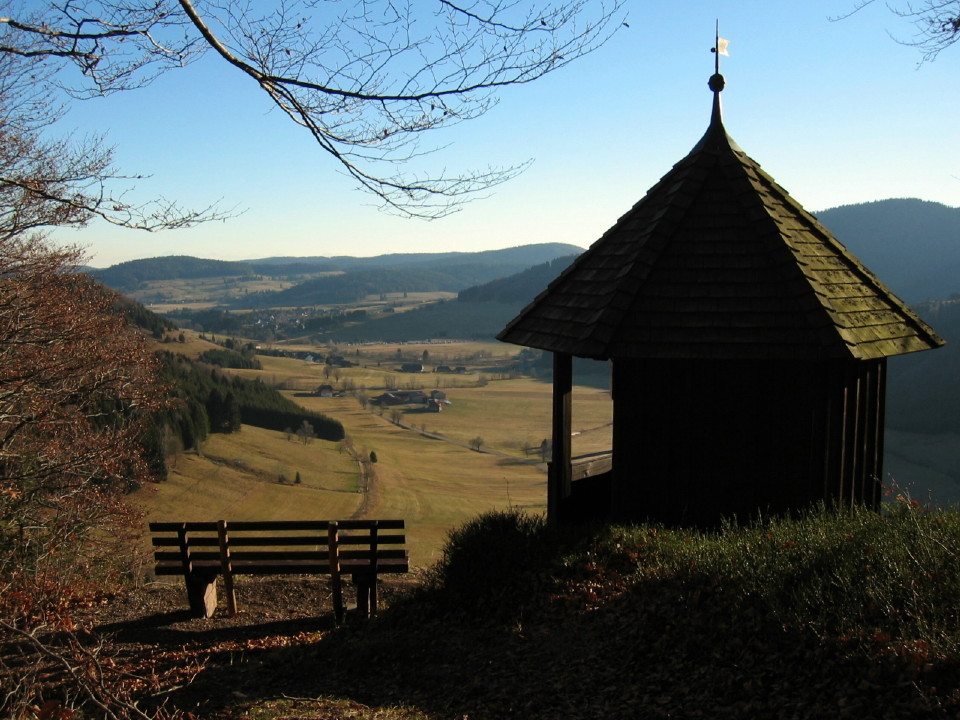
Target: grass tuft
<point x="853" y="575"/>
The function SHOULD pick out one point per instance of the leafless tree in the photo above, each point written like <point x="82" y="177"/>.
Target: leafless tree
<point x="47" y="182"/>
<point x="365" y="78"/>
<point x="77" y="393"/>
<point x="306" y="432"/>
<point x="936" y="22"/>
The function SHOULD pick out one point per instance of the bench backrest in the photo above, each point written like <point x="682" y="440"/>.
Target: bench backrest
<point x="280" y="547"/>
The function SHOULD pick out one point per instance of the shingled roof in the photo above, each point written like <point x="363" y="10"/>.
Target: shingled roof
<point x="717" y="261"/>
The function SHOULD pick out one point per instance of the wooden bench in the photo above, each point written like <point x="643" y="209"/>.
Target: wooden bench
<point x="200" y="551"/>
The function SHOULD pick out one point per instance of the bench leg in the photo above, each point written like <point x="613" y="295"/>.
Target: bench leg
<point x="201" y="594"/>
<point x="366" y="594"/>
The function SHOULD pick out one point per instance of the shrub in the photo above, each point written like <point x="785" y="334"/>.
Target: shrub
<point x="494" y="563"/>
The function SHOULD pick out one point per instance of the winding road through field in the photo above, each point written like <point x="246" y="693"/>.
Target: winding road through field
<point x="432" y="482"/>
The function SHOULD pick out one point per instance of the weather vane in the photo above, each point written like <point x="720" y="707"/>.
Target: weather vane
<point x="719" y="48"/>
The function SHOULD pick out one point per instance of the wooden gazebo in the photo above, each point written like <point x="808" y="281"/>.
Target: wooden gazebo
<point x="748" y="351"/>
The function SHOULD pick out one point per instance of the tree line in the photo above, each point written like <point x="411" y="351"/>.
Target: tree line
<point x="206" y="400"/>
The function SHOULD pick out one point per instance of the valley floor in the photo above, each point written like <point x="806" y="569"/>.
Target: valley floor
<point x="924" y="465"/>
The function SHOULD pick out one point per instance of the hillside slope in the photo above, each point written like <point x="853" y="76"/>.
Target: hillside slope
<point x="479" y="312"/>
<point x="520" y="288"/>
<point x="911" y="245"/>
<point x="127" y="276"/>
<point x="521" y="255"/>
<point x="826" y="617"/>
<point x="460" y="269"/>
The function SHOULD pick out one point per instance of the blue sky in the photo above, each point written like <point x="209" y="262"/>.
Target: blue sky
<point x="838" y="112"/>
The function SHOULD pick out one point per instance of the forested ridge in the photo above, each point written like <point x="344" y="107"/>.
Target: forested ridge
<point x="354" y="286"/>
<point x="923" y="394"/>
<point x="520" y="288"/>
<point x="209" y="400"/>
<point x="912" y="245"/>
<point x="128" y="275"/>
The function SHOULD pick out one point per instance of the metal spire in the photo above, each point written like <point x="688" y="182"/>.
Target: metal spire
<point x="719" y="48"/>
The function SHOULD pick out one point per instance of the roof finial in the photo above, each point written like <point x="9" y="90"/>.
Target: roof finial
<point x="720" y="48"/>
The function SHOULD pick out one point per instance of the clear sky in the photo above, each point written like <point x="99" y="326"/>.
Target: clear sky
<point x="837" y="112"/>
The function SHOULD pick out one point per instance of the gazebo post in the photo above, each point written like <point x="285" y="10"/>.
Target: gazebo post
<point x="558" y="479"/>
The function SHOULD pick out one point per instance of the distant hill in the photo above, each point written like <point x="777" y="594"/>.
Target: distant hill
<point x="296" y="266"/>
<point x="923" y="389"/>
<point x="450" y="319"/>
<point x="412" y="272"/>
<point x="913" y="246"/>
<point x="522" y="256"/>
<point x="480" y="312"/>
<point x="127" y="276"/>
<point x="418" y="272"/>
<point x="520" y="288"/>
<point x="354" y="286"/>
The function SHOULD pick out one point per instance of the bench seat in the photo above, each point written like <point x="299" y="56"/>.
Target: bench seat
<point x="201" y="551"/>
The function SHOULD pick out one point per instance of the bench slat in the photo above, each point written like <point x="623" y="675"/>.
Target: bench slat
<point x="175" y="526"/>
<point x="390" y="565"/>
<point x="318" y="555"/>
<point x="272" y="525"/>
<point x="201" y="551"/>
<point x="258" y="525"/>
<point x="237" y="542"/>
<point x="274" y="540"/>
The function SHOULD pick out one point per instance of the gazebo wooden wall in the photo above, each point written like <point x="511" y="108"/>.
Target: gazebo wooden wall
<point x="695" y="441"/>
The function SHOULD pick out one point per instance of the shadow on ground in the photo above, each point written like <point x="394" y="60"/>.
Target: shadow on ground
<point x="653" y="650"/>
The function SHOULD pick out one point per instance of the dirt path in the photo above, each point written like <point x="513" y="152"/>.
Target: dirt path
<point x="432" y="483"/>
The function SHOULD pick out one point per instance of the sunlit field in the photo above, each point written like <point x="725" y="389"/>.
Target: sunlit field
<point x="434" y="484"/>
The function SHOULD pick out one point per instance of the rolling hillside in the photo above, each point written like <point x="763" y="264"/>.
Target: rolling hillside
<point x="522" y="256"/>
<point x="480" y="312"/>
<point x="911" y="245"/>
<point x="416" y="272"/>
<point x="355" y="285"/>
<point x="520" y="288"/>
<point x="128" y="276"/>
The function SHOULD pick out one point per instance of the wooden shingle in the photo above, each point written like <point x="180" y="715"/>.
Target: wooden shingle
<point x="718" y="261"/>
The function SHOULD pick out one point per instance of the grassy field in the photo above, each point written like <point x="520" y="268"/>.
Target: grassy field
<point x="511" y="414"/>
<point x="433" y="484"/>
<point x="238" y="477"/>
<point x="192" y="346"/>
<point x="164" y="296"/>
<point x="196" y="292"/>
<point x="515" y="414"/>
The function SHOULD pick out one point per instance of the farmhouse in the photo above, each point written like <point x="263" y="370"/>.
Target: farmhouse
<point x="339" y="361"/>
<point x="398" y="397"/>
<point x="748" y="349"/>
<point x="411" y="368"/>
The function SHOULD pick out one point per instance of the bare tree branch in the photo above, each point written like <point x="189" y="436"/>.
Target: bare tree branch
<point x="937" y="24"/>
<point x="366" y="78"/>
